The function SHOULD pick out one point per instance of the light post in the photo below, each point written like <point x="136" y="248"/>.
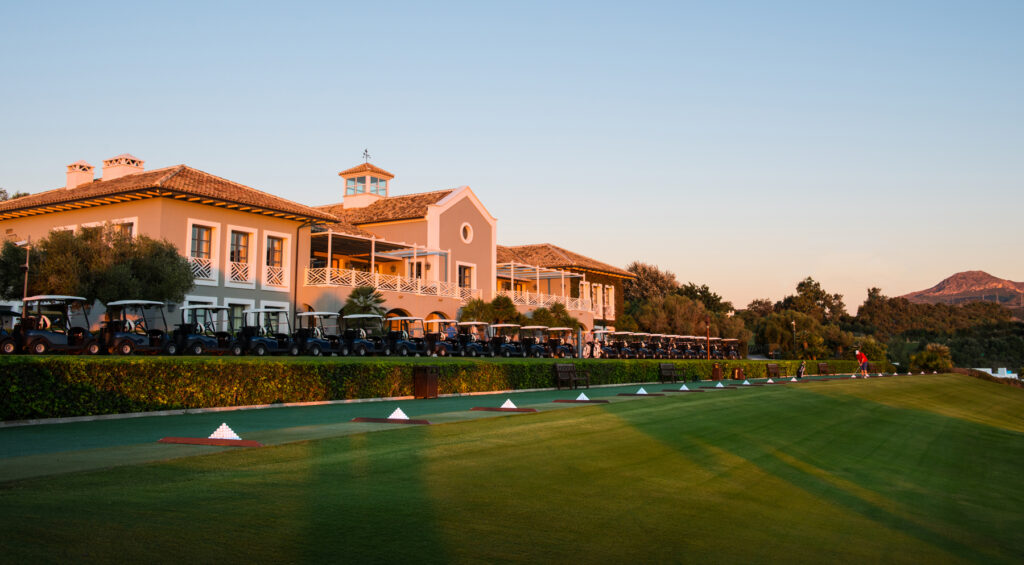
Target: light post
<point x="707" y="345"/>
<point x="793" y="324"/>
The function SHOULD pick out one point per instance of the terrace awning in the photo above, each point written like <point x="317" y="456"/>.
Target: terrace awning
<point x="519" y="271"/>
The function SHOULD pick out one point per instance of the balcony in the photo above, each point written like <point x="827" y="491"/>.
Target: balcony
<point x="524" y="298"/>
<point x="274" y="276"/>
<point x="394" y="283"/>
<point x="239" y="272"/>
<point x="202" y="268"/>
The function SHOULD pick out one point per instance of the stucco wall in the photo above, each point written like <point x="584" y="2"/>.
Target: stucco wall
<point x="480" y="249"/>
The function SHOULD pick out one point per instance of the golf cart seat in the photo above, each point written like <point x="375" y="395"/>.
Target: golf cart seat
<point x="281" y="337"/>
<point x="155" y="334"/>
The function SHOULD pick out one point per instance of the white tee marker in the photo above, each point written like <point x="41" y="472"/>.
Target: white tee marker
<point x="398" y="415"/>
<point x="224" y="432"/>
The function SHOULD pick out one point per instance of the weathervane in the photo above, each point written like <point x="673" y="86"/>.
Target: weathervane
<point x="366" y="155"/>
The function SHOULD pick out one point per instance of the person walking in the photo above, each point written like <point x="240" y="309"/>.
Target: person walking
<point x="863" y="360"/>
<point x="800" y="371"/>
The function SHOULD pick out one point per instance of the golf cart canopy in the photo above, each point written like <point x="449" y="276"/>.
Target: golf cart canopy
<point x="357" y="316"/>
<point x="264" y="311"/>
<point x="54" y="298"/>
<point x="484" y="324"/>
<point x="559" y="329"/>
<point x="404" y="318"/>
<point x="203" y="307"/>
<point x="142" y="303"/>
<point x="533" y="327"/>
<point x="505" y="325"/>
<point x="324" y="314"/>
<point x="440" y="321"/>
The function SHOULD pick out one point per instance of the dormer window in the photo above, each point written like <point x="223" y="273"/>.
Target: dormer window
<point x="357" y="185"/>
<point x="378" y="186"/>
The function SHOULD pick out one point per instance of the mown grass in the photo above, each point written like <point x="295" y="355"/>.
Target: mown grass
<point x="879" y="471"/>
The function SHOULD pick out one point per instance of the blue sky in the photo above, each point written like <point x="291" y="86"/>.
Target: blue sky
<point x="745" y="145"/>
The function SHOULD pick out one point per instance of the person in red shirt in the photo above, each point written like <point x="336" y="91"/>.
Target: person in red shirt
<point x="863" y="360"/>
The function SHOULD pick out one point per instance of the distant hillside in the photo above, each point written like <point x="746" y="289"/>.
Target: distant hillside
<point x="972" y="286"/>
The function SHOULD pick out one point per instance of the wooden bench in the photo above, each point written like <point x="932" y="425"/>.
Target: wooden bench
<point x="668" y="373"/>
<point x="772" y="370"/>
<point x="567" y="373"/>
<point x="824" y="369"/>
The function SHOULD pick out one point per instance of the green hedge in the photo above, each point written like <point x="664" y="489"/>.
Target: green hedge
<point x="61" y="386"/>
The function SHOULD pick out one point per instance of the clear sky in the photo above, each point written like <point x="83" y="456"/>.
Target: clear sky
<point x="745" y="145"/>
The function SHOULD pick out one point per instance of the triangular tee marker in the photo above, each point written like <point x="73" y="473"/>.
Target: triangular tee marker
<point x="398" y="415"/>
<point x="224" y="432"/>
<point x="770" y="381"/>
<point x="641" y="391"/>
<point x="684" y="387"/>
<point x="582" y="397"/>
<point x="746" y="382"/>
<point x="508" y="404"/>
<point x="792" y="380"/>
<point x="719" y="385"/>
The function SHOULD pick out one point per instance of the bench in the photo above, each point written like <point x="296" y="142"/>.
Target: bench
<point x="668" y="373"/>
<point x="566" y="373"/>
<point x="824" y="369"/>
<point x="772" y="370"/>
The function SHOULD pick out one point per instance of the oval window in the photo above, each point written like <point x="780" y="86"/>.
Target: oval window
<point x="466" y="232"/>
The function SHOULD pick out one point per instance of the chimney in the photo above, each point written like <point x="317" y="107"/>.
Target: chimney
<point x="122" y="165"/>
<point x="79" y="173"/>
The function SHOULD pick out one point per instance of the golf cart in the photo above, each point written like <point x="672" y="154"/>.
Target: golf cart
<point x="620" y="345"/>
<point x="472" y="340"/>
<point x="658" y="346"/>
<point x="129" y="327"/>
<point x="732" y="348"/>
<point x="363" y="334"/>
<point x="638" y="344"/>
<point x="268" y="333"/>
<point x="716" y="348"/>
<point x="600" y="347"/>
<point x="533" y="340"/>
<point x="561" y="343"/>
<point x="200" y="334"/>
<point x="10" y="340"/>
<point x="505" y="341"/>
<point x="312" y="337"/>
<point x="406" y="336"/>
<point x="48" y="326"/>
<point x="442" y="336"/>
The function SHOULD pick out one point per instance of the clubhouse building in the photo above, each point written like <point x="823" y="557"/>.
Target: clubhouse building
<point x="427" y="253"/>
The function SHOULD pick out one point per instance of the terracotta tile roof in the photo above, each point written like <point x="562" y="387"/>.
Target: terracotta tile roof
<point x="178" y="179"/>
<point x="407" y="207"/>
<point x="348" y="229"/>
<point x="366" y="168"/>
<point x="554" y="257"/>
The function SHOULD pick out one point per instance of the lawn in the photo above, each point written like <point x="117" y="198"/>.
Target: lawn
<point x="909" y="469"/>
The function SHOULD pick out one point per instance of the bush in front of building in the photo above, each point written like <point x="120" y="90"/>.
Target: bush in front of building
<point x="63" y="386"/>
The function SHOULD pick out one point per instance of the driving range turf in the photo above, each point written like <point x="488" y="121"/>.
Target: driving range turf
<point x="924" y="469"/>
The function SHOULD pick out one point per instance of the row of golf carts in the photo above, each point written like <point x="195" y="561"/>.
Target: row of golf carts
<point x="638" y="345"/>
<point x="53" y="323"/>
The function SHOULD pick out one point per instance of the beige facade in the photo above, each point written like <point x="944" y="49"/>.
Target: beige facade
<point x="427" y="253"/>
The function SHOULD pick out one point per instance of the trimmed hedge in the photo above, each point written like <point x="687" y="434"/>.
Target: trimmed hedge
<point x="62" y="386"/>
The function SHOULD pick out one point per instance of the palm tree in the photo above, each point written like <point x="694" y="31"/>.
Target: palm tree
<point x="476" y="310"/>
<point x="364" y="300"/>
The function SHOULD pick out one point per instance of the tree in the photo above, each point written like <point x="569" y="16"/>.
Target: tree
<point x="504" y="311"/>
<point x="712" y="300"/>
<point x="5" y="196"/>
<point x="935" y="357"/>
<point x="814" y="301"/>
<point x="760" y="307"/>
<point x="98" y="264"/>
<point x="476" y="310"/>
<point x="364" y="300"/>
<point x="650" y="282"/>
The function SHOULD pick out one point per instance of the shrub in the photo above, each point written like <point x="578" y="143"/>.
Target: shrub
<point x="61" y="386"/>
<point x="935" y="357"/>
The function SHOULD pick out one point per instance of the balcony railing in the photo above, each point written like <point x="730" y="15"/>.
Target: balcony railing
<point x="525" y="298"/>
<point x="202" y="268"/>
<point x="275" y="276"/>
<point x="239" y="272"/>
<point x="394" y="283"/>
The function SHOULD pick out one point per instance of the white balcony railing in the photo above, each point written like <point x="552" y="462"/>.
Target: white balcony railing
<point x="239" y="272"/>
<point x="275" y="276"/>
<point x="525" y="298"/>
<point x="202" y="268"/>
<point x="394" y="283"/>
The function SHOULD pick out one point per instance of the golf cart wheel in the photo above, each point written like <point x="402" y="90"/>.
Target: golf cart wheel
<point x="344" y="351"/>
<point x="442" y="351"/>
<point x="314" y="350"/>
<point x="260" y="350"/>
<point x="493" y="353"/>
<point x="39" y="347"/>
<point x="8" y="347"/>
<point x="125" y="348"/>
<point x="236" y="349"/>
<point x="361" y="350"/>
<point x="171" y="349"/>
<point x="387" y="352"/>
<point x="471" y="352"/>
<point x="403" y="351"/>
<point x="294" y="350"/>
<point x="92" y="348"/>
<point x="506" y="353"/>
<point x="195" y="349"/>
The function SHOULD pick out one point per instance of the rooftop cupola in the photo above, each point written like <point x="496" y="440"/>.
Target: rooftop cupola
<point x="122" y="165"/>
<point x="79" y="173"/>
<point x="364" y="185"/>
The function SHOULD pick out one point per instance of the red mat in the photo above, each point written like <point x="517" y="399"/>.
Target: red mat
<point x="574" y="401"/>
<point x="493" y="409"/>
<point x="677" y="390"/>
<point x="391" y="421"/>
<point x="648" y="394"/>
<point x="211" y="441"/>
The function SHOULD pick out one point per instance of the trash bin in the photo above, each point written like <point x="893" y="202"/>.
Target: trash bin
<point x="424" y="381"/>
<point x="716" y="372"/>
<point x="737" y="374"/>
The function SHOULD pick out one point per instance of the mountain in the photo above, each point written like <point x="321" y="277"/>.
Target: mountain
<point x="972" y="286"/>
